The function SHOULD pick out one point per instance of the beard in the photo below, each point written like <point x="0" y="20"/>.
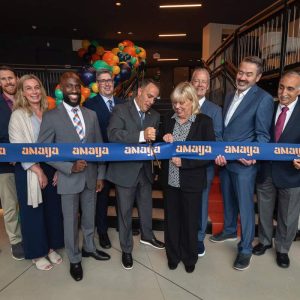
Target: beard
<point x="67" y="100"/>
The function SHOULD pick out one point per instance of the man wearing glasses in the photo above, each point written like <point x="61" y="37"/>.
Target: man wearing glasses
<point x="103" y="105"/>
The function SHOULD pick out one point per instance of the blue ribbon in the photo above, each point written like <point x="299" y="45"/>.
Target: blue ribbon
<point x="128" y="152"/>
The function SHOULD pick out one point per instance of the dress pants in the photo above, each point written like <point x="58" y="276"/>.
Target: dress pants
<point x="181" y="225"/>
<point x="42" y="227"/>
<point x="288" y="210"/>
<point x="70" y="208"/>
<point x="9" y="202"/>
<point x="142" y="192"/>
<point x="210" y="172"/>
<point x="238" y="193"/>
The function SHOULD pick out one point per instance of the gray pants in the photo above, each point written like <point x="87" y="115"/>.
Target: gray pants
<point x="9" y="201"/>
<point x="70" y="209"/>
<point x="142" y="192"/>
<point x="287" y="214"/>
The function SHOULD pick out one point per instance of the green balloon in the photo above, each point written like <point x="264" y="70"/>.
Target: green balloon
<point x="92" y="95"/>
<point x="59" y="94"/>
<point x="58" y="101"/>
<point x="137" y="50"/>
<point x="100" y="64"/>
<point x="133" y="60"/>
<point x="95" y="43"/>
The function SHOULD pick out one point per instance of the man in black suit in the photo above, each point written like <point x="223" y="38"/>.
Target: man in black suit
<point x="281" y="179"/>
<point x="8" y="194"/>
<point x="103" y="104"/>
<point x="134" y="122"/>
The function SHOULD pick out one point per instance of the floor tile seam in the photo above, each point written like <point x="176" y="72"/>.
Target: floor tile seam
<point x="162" y="276"/>
<point x="15" y="279"/>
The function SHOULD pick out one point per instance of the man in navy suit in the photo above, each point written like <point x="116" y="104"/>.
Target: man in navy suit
<point x="8" y="194"/>
<point x="200" y="80"/>
<point x="103" y="104"/>
<point x="247" y="117"/>
<point x="281" y="179"/>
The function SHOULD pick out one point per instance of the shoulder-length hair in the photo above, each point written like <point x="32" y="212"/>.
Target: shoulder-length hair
<point x="183" y="92"/>
<point x="22" y="102"/>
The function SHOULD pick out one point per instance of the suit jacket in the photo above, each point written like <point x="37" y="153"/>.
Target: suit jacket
<point x="57" y="127"/>
<point x="124" y="127"/>
<point x="5" y="114"/>
<point x="192" y="173"/>
<point x="98" y="105"/>
<point x="283" y="173"/>
<point x="214" y="111"/>
<point x="251" y="122"/>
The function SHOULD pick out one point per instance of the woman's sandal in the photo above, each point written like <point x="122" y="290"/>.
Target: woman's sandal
<point x="54" y="257"/>
<point x="42" y="264"/>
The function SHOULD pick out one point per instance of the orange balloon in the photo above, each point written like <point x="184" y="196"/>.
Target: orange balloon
<point x="100" y="50"/>
<point x="94" y="87"/>
<point x="116" y="70"/>
<point x="128" y="43"/>
<point x="142" y="54"/>
<point x="115" y="51"/>
<point x="85" y="44"/>
<point x="85" y="92"/>
<point x="130" y="51"/>
<point x="82" y="99"/>
<point x="51" y="102"/>
<point x="108" y="55"/>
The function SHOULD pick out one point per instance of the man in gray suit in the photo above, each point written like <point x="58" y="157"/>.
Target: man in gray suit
<point x="78" y="181"/>
<point x="200" y="81"/>
<point x="134" y="122"/>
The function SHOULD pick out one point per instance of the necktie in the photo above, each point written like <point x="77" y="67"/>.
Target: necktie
<point x="77" y="124"/>
<point x="110" y="105"/>
<point x="142" y="116"/>
<point x="280" y="123"/>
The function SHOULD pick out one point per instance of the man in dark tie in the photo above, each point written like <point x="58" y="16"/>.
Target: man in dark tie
<point x="78" y="181"/>
<point x="103" y="105"/>
<point x="281" y="179"/>
<point x="200" y="81"/>
<point x="247" y="117"/>
<point x="8" y="194"/>
<point x="134" y="122"/>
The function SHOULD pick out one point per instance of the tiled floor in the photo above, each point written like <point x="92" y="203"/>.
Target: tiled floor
<point x="213" y="279"/>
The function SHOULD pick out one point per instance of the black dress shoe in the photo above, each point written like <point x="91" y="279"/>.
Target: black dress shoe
<point x="282" y="260"/>
<point x="242" y="261"/>
<point x="98" y="255"/>
<point x="172" y="266"/>
<point x="153" y="242"/>
<point x="76" y="271"/>
<point x="260" y="249"/>
<point x="135" y="231"/>
<point x="104" y="240"/>
<point x="127" y="260"/>
<point x="190" y="269"/>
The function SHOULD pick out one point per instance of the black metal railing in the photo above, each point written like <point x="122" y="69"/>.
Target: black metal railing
<point x="273" y="35"/>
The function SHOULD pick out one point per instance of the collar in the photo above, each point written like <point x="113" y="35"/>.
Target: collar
<point x="243" y="94"/>
<point x="106" y="99"/>
<point x="291" y="105"/>
<point x="191" y="118"/>
<point x="69" y="107"/>
<point x="201" y="101"/>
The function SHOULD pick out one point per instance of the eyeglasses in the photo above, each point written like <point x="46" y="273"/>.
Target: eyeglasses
<point x="196" y="81"/>
<point x="104" y="81"/>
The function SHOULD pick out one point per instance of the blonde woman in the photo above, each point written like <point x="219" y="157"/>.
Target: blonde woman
<point x="184" y="179"/>
<point x="40" y="206"/>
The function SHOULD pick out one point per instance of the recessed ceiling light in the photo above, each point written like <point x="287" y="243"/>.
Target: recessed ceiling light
<point x="172" y="34"/>
<point x="119" y="32"/>
<point x="118" y="3"/>
<point x="167" y="59"/>
<point x="130" y="32"/>
<point x="74" y="29"/>
<point x="34" y="27"/>
<point x="180" y="5"/>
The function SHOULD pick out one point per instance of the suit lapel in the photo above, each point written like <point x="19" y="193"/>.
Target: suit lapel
<point x="86" y="121"/>
<point x="135" y="114"/>
<point x="68" y="122"/>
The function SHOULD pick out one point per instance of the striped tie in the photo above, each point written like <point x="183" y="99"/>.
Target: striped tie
<point x="77" y="124"/>
<point x="110" y="104"/>
<point x="142" y="116"/>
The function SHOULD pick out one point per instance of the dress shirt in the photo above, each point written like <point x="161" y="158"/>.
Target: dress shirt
<point x="201" y="101"/>
<point x="71" y="114"/>
<point x="142" y="137"/>
<point x="291" y="107"/>
<point x="237" y="99"/>
<point x="106" y="99"/>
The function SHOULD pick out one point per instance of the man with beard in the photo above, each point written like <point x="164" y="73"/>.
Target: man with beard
<point x="200" y="81"/>
<point x="77" y="181"/>
<point x="247" y="118"/>
<point x="8" y="194"/>
<point x="280" y="180"/>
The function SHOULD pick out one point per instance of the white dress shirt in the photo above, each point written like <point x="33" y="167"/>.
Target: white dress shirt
<point x="201" y="101"/>
<point x="237" y="99"/>
<point x="71" y="114"/>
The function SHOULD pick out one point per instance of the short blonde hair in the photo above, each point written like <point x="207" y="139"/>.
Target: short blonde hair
<point x="22" y="102"/>
<point x="183" y="92"/>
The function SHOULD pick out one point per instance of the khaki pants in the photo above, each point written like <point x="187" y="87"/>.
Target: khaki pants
<point x="9" y="201"/>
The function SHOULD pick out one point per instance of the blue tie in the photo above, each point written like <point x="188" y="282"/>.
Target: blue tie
<point x="110" y="105"/>
<point x="142" y="116"/>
